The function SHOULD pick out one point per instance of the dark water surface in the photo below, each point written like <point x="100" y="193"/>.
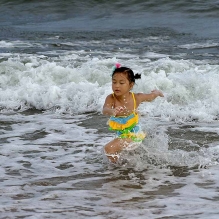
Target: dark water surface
<point x="194" y="17"/>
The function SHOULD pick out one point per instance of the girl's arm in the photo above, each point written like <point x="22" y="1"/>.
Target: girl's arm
<point x="149" y="97"/>
<point x="108" y="106"/>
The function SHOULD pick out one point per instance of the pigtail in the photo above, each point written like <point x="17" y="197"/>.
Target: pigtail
<point x="137" y="76"/>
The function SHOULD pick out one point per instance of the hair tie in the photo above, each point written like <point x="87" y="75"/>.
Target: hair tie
<point x="117" y="65"/>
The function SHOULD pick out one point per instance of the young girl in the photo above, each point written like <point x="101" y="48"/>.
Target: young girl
<point x="122" y="106"/>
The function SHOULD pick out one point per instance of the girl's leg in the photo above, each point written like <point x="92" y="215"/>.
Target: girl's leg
<point x="114" y="147"/>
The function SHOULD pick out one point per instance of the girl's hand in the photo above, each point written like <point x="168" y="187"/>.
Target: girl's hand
<point x="157" y="93"/>
<point x="117" y="110"/>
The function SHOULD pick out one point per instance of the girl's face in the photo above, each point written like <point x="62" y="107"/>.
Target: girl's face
<point x="120" y="84"/>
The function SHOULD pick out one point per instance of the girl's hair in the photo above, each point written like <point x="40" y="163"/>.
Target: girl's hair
<point x="129" y="73"/>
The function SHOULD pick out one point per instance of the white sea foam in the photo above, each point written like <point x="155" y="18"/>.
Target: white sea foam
<point x="5" y="44"/>
<point x="191" y="90"/>
<point x="208" y="44"/>
<point x="18" y="43"/>
<point x="152" y="55"/>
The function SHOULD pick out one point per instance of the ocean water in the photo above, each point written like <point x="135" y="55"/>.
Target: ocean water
<point x="56" y="60"/>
